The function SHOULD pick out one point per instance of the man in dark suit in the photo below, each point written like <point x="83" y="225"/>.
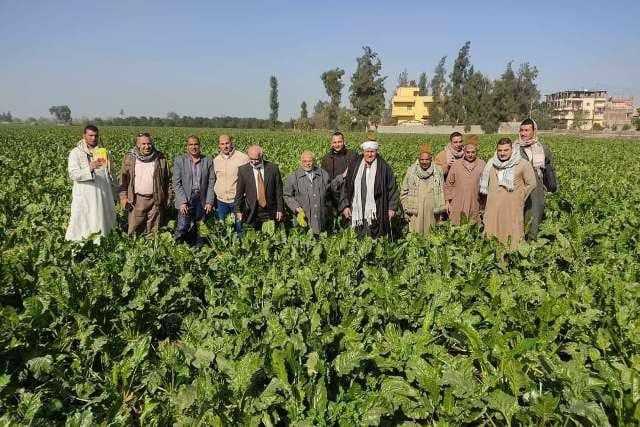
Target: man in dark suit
<point x="259" y="191"/>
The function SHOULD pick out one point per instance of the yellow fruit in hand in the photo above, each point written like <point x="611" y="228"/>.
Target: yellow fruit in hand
<point x="302" y="222"/>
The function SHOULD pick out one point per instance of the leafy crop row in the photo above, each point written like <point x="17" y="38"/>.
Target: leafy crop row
<point x="284" y="328"/>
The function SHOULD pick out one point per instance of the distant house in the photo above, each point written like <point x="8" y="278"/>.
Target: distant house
<point x="408" y="107"/>
<point x="618" y="112"/>
<point x="578" y="108"/>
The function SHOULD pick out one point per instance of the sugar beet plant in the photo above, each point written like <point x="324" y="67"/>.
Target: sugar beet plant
<point x="282" y="328"/>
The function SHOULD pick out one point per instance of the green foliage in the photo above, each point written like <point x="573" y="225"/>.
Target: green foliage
<point x="438" y="85"/>
<point x="332" y="81"/>
<point x="505" y="96"/>
<point x="462" y="69"/>
<point x="273" y="100"/>
<point x="403" y="78"/>
<point x="478" y="100"/>
<point x="283" y="328"/>
<point x="423" y="84"/>
<point x="62" y="113"/>
<point x="367" y="88"/>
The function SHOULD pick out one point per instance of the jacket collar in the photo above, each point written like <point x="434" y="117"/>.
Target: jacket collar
<point x="300" y="173"/>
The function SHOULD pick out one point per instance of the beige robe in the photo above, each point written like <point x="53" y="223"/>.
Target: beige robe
<point x="462" y="191"/>
<point x="504" y="213"/>
<point x="441" y="160"/>
<point x="422" y="200"/>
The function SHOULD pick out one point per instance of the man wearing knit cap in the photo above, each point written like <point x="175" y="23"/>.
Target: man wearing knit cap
<point x="462" y="186"/>
<point x="369" y="197"/>
<point x="540" y="157"/>
<point x="422" y="194"/>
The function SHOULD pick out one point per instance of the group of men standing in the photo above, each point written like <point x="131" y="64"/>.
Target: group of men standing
<point x="506" y="193"/>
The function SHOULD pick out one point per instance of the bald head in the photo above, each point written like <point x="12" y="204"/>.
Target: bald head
<point x="307" y="160"/>
<point x="255" y="155"/>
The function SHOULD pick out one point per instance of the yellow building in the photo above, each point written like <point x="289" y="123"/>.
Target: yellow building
<point x="587" y="107"/>
<point x="407" y="106"/>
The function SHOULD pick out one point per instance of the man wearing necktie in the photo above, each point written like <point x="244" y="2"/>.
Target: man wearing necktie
<point x="259" y="190"/>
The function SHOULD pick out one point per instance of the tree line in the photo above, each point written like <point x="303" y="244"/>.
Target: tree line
<point x="465" y="96"/>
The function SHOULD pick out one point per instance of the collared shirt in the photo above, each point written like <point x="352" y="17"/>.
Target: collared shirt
<point x="196" y="174"/>
<point x="226" y="170"/>
<point x="143" y="183"/>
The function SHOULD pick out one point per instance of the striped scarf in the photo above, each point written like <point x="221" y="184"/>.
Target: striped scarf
<point x="452" y="154"/>
<point x="537" y="153"/>
<point x="507" y="178"/>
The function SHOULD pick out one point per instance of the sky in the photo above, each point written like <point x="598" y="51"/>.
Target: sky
<point x="214" y="58"/>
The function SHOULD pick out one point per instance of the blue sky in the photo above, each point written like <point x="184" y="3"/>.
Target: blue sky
<point x="214" y="58"/>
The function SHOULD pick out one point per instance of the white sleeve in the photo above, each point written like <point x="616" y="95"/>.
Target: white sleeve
<point x="78" y="170"/>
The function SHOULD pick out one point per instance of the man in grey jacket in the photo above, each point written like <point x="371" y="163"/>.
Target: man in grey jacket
<point x="307" y="193"/>
<point x="193" y="181"/>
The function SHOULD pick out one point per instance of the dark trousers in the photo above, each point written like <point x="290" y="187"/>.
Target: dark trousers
<point x="225" y="209"/>
<point x="187" y="226"/>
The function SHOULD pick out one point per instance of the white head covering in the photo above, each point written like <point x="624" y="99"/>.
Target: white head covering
<point x="369" y="145"/>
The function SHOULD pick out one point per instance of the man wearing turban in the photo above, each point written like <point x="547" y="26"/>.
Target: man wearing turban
<point x="369" y="198"/>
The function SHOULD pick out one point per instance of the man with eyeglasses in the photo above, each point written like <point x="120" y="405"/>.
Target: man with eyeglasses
<point x="259" y="191"/>
<point x="144" y="186"/>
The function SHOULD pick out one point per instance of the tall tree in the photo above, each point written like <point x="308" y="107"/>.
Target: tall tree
<point x="422" y="84"/>
<point x="543" y="115"/>
<point x="403" y="78"/>
<point x="454" y="106"/>
<point x="478" y="103"/>
<point x="579" y="118"/>
<point x="62" y="113"/>
<point x="528" y="95"/>
<point x="303" y="122"/>
<point x="505" y="96"/>
<point x="367" y="88"/>
<point x="320" y="116"/>
<point x="274" y="104"/>
<point x="332" y="81"/>
<point x="438" y="84"/>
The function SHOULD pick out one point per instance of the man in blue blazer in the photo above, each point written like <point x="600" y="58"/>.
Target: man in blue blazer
<point x="193" y="181"/>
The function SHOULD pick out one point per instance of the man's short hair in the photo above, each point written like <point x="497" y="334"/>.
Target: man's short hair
<point x="338" y="133"/>
<point x="193" y="137"/>
<point x="454" y="134"/>
<point x="143" y="135"/>
<point x="530" y="122"/>
<point x="92" y="128"/>
<point x="225" y="136"/>
<point x="505" y="141"/>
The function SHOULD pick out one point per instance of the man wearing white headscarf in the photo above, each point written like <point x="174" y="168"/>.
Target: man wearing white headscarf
<point x="507" y="181"/>
<point x="540" y="157"/>
<point x="369" y="196"/>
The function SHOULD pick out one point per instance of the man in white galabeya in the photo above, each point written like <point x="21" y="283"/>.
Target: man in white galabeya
<point x="92" y="200"/>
